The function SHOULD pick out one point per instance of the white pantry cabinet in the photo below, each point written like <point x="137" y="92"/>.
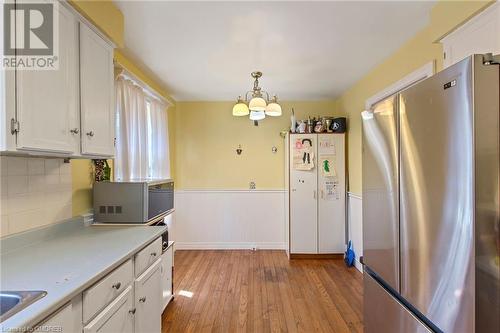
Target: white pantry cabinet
<point x="97" y="94"/>
<point x="315" y="178"/>
<point x="148" y="300"/>
<point x="67" y="112"/>
<point x="47" y="100"/>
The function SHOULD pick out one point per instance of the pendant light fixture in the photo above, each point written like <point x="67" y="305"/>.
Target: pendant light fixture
<point x="257" y="107"/>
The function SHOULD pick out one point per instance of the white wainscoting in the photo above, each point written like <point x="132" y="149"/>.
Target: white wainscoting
<point x="229" y="219"/>
<point x="355" y="222"/>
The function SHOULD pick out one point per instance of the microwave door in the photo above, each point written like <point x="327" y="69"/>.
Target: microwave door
<point x="160" y="200"/>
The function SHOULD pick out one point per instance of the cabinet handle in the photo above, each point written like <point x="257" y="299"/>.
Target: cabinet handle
<point x="132" y="311"/>
<point x="74" y="131"/>
<point x="117" y="285"/>
<point x="314" y="194"/>
<point x="142" y="299"/>
<point x="153" y="254"/>
<point x="91" y="133"/>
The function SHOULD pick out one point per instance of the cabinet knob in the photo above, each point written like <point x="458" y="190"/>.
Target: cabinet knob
<point x="142" y="299"/>
<point x="91" y="133"/>
<point x="116" y="285"/>
<point x="132" y="311"/>
<point x="153" y="254"/>
<point x="74" y="130"/>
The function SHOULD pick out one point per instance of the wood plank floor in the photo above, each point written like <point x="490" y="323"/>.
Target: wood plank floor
<point x="262" y="291"/>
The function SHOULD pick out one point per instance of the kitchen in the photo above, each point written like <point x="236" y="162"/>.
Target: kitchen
<point x="250" y="198"/>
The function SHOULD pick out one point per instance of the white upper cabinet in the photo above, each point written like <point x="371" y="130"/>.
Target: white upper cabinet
<point x="97" y="94"/>
<point x="481" y="34"/>
<point x="47" y="100"/>
<point x="67" y="111"/>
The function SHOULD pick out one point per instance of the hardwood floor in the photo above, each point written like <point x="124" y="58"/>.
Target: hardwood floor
<point x="262" y="291"/>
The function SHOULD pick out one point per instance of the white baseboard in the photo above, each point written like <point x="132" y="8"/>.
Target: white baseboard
<point x="228" y="246"/>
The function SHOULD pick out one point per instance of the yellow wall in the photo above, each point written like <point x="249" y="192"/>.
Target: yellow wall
<point x="419" y="50"/>
<point x="207" y="137"/>
<point x="107" y="17"/>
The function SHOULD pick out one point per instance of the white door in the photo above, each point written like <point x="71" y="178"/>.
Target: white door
<point x="303" y="194"/>
<point x="166" y="277"/>
<point x="331" y="187"/>
<point x="67" y="319"/>
<point x="479" y="35"/>
<point x="148" y="300"/>
<point x="47" y="100"/>
<point x="116" y="317"/>
<point x="97" y="94"/>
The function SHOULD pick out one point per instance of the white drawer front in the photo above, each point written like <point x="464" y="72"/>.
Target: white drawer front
<point x="117" y="317"/>
<point x="106" y="290"/>
<point x="147" y="256"/>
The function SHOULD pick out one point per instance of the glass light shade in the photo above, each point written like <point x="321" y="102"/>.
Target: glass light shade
<point x="273" y="109"/>
<point x="240" y="109"/>
<point x="257" y="115"/>
<point x="257" y="104"/>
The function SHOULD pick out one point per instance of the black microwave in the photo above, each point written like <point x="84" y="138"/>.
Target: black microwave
<point x="133" y="201"/>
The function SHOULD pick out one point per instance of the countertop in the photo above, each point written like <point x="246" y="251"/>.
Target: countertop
<point x="64" y="260"/>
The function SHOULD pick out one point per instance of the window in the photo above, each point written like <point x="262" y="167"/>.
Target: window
<point x="141" y="133"/>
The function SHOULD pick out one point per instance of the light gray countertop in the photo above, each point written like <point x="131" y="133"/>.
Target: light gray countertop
<point x="64" y="260"/>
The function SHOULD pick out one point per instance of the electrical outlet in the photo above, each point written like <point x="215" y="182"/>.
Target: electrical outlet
<point x="252" y="185"/>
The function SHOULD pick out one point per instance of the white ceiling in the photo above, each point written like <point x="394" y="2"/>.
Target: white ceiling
<point x="306" y="50"/>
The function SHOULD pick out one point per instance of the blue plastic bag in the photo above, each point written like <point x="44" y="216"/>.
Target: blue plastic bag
<point x="349" y="255"/>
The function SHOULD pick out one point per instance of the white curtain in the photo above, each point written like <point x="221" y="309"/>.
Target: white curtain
<point x="159" y="157"/>
<point x="141" y="134"/>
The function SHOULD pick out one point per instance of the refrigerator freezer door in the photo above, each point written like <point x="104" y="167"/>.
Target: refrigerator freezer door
<point x="303" y="194"/>
<point x="437" y="198"/>
<point x="331" y="187"/>
<point x="383" y="313"/>
<point x="380" y="191"/>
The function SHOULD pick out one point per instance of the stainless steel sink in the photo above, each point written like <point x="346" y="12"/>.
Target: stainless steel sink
<point x="11" y="302"/>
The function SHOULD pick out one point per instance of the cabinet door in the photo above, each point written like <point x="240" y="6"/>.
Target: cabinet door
<point x="148" y="300"/>
<point x="116" y="317"/>
<point x="166" y="276"/>
<point x="68" y="319"/>
<point x="331" y="187"/>
<point x="47" y="100"/>
<point x="97" y="94"/>
<point x="303" y="194"/>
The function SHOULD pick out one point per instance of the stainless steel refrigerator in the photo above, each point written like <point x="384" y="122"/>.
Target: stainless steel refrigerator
<point x="431" y="214"/>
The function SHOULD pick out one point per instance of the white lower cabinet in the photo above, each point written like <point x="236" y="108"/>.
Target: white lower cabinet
<point x="148" y="300"/>
<point x="68" y="319"/>
<point x="116" y="317"/>
<point x="122" y="301"/>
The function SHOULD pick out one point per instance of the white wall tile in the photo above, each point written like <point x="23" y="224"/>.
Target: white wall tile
<point x="4" y="186"/>
<point x="17" y="184"/>
<point x="36" y="183"/>
<point x="17" y="166"/>
<point x="26" y="220"/>
<point x="4" y="225"/>
<point x="36" y="166"/>
<point x="34" y="192"/>
<point x="3" y="165"/>
<point x="52" y="166"/>
<point x="65" y="168"/>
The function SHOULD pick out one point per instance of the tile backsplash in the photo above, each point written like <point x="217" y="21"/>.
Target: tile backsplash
<point x="33" y="192"/>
